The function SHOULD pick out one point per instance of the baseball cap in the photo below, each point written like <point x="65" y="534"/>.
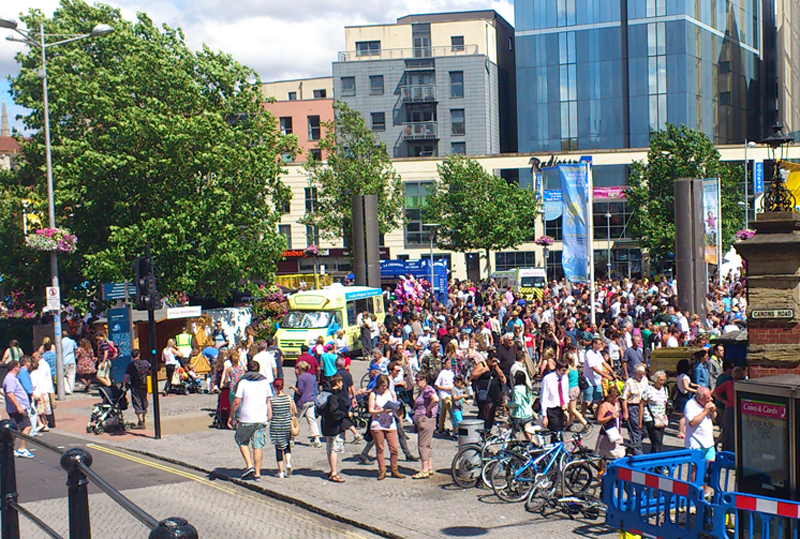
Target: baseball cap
<point x="374" y="367"/>
<point x="328" y="347"/>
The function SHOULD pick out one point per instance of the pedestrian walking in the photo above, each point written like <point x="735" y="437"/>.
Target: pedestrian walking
<point x="655" y="411"/>
<point x="304" y="394"/>
<point x="424" y="419"/>
<point x="633" y="406"/>
<point x="17" y="406"/>
<point x="68" y="347"/>
<point x="280" y="412"/>
<point x="135" y="378"/>
<point x="250" y="403"/>
<point x="381" y="406"/>
<point x="333" y="413"/>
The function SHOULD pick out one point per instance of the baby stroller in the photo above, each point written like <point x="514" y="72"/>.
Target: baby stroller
<point x="184" y="382"/>
<point x="107" y="415"/>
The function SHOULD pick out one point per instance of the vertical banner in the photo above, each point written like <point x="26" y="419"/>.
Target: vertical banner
<point x="119" y="332"/>
<point x="575" y="193"/>
<point x="711" y="221"/>
<point x="758" y="178"/>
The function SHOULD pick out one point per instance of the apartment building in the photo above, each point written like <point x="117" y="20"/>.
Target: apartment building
<point x="301" y="106"/>
<point x="432" y="85"/>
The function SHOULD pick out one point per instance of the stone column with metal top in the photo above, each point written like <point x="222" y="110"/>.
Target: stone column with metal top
<point x="773" y="282"/>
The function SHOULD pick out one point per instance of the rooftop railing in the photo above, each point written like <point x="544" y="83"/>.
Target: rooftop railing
<point x="408" y="53"/>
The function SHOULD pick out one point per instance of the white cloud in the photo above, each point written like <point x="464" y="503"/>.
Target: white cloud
<point x="280" y="39"/>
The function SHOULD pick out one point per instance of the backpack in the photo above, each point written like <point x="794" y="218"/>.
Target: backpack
<point x="113" y="350"/>
<point x="321" y="402"/>
<point x="141" y="370"/>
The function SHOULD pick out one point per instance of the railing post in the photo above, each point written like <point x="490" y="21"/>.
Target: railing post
<point x="8" y="482"/>
<point x="77" y="484"/>
<point x="174" y="528"/>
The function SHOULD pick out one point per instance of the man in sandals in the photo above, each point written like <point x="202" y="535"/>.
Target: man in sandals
<point x="251" y="395"/>
<point x="334" y="412"/>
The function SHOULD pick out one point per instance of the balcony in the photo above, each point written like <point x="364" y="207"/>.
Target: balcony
<point x="408" y="53"/>
<point x="420" y="130"/>
<point x="418" y="94"/>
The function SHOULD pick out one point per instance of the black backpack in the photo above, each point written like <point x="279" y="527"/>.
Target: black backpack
<point x="141" y="370"/>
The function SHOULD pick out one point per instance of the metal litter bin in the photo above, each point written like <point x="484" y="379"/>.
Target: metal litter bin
<point x="468" y="432"/>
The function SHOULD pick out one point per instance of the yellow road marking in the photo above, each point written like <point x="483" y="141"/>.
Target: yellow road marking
<point x="212" y="484"/>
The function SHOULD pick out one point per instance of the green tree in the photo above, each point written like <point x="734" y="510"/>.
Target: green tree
<point x="478" y="211"/>
<point x="678" y="152"/>
<point x="357" y="164"/>
<point x="152" y="144"/>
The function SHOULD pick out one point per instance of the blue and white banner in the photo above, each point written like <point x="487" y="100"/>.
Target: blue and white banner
<point x="758" y="178"/>
<point x="553" y="205"/>
<point x="575" y="193"/>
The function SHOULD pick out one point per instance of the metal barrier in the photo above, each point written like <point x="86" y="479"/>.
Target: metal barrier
<point x="77" y="463"/>
<point x="661" y="495"/>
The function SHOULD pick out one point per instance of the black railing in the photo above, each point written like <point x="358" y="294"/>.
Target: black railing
<point x="77" y="463"/>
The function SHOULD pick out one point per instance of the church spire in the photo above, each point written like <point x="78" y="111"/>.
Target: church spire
<point x="5" y="130"/>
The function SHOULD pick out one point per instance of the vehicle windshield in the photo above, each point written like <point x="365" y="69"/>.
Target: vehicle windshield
<point x="306" y="320"/>
<point x="536" y="282"/>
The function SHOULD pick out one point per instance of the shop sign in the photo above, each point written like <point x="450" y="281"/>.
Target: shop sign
<point x="763" y="409"/>
<point x="766" y="314"/>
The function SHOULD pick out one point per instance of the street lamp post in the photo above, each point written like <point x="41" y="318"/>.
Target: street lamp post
<point x="608" y="246"/>
<point x="431" y="233"/>
<point x="32" y="40"/>
<point x="747" y="144"/>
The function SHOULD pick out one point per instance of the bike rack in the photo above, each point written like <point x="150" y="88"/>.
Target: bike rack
<point x="77" y="463"/>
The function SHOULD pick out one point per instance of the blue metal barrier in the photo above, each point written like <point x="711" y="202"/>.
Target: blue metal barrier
<point x="643" y="498"/>
<point x="662" y="496"/>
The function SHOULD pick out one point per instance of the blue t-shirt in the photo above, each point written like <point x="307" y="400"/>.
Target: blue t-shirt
<point x="329" y="364"/>
<point x="68" y="347"/>
<point x="11" y="384"/>
<point x="50" y="358"/>
<point x="210" y="352"/>
<point x="24" y="378"/>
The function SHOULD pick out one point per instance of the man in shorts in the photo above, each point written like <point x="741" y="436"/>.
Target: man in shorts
<point x="334" y="412"/>
<point x="250" y="402"/>
<point x="136" y="378"/>
<point x="700" y="413"/>
<point x="594" y="373"/>
<point x="18" y="407"/>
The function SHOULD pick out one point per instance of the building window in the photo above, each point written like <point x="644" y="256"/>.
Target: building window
<point x="459" y="148"/>
<point x="348" y="86"/>
<point x="514" y="259"/>
<point x="568" y="90"/>
<point x="286" y="232"/>
<point x="456" y="84"/>
<point x="312" y="235"/>
<point x="422" y="150"/>
<point x="656" y="8"/>
<point x="287" y="157"/>
<point x="566" y="13"/>
<point x="657" y="75"/>
<point x="316" y="154"/>
<point x="617" y="226"/>
<point x="379" y="121"/>
<point x="457" y="43"/>
<point x="313" y="128"/>
<point x="292" y="96"/>
<point x="416" y="195"/>
<point x="376" y="85"/>
<point x="553" y="229"/>
<point x="459" y="126"/>
<point x="286" y="125"/>
<point x="311" y="199"/>
<point x="320" y="94"/>
<point x="368" y="48"/>
<point x="286" y="207"/>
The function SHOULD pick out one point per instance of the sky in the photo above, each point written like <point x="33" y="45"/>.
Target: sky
<point x="280" y="39"/>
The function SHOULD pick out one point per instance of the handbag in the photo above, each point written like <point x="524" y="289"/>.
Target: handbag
<point x="295" y="427"/>
<point x="660" y="421"/>
<point x="583" y="383"/>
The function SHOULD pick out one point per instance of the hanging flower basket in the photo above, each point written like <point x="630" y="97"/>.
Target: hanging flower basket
<point x="745" y="234"/>
<point x="544" y="241"/>
<point x="311" y="250"/>
<point x="59" y="240"/>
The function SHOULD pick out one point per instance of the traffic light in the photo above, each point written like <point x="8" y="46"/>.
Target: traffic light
<point x="147" y="296"/>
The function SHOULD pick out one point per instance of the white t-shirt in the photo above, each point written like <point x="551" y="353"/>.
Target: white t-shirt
<point x="445" y="379"/>
<point x="593" y="359"/>
<point x="254" y="395"/>
<point x="701" y="436"/>
<point x="266" y="362"/>
<point x="672" y="342"/>
<point x="169" y="357"/>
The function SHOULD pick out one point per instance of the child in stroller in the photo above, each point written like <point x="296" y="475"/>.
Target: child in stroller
<point x="107" y="415"/>
<point x="184" y="381"/>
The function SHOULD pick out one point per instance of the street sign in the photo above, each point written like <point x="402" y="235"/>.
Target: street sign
<point x="758" y="178"/>
<point x="53" y="298"/>
<point x="190" y="311"/>
<point x="116" y="290"/>
<point x="766" y="314"/>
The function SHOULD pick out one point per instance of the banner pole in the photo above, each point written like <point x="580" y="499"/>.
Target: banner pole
<point x="590" y="236"/>
<point x="719" y="230"/>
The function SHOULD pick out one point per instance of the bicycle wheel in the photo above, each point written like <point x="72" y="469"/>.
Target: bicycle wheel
<point x="467" y="465"/>
<point x="364" y="380"/>
<point x="579" y="477"/>
<point x="542" y="491"/>
<point x="511" y="478"/>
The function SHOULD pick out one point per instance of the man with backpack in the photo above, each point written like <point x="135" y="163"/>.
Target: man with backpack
<point x="136" y="379"/>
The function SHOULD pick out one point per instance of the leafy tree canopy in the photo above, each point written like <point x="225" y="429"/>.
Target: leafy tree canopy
<point x="478" y="211"/>
<point x="357" y="164"/>
<point x="678" y="152"/>
<point x="154" y="144"/>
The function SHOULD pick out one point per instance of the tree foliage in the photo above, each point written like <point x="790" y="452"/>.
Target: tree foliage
<point x="478" y="211"/>
<point x="356" y="164"/>
<point x="154" y="144"/>
<point x="678" y="152"/>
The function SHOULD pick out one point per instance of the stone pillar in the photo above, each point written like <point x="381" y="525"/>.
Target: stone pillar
<point x="773" y="284"/>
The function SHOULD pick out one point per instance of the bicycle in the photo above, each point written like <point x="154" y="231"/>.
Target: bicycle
<point x="542" y="495"/>
<point x="470" y="462"/>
